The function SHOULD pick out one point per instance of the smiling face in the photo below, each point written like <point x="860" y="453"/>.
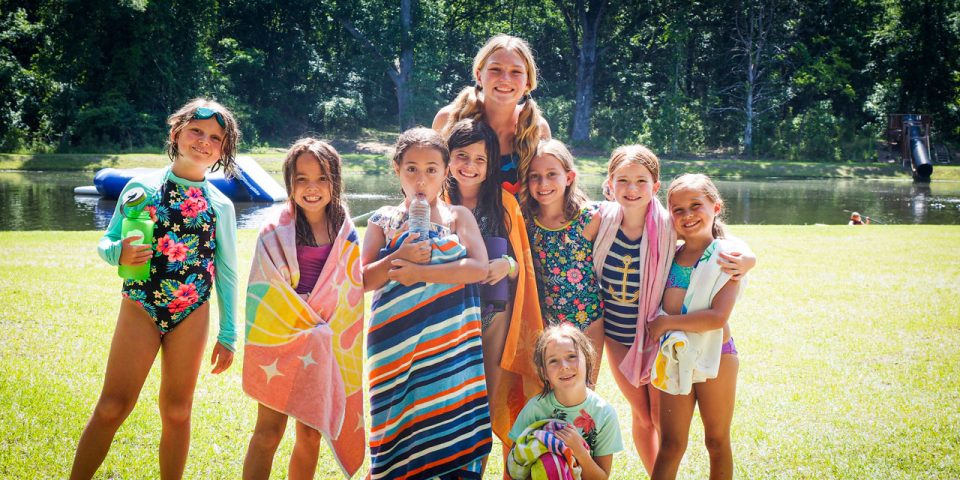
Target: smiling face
<point x="547" y="181"/>
<point x="565" y="365"/>
<point x="632" y="185"/>
<point x="421" y="170"/>
<point x="504" y="77"/>
<point x="311" y="185"/>
<point x="469" y="165"/>
<point x="693" y="213"/>
<point x="199" y="143"/>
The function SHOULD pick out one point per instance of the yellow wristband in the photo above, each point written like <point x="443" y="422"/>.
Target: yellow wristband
<point x="512" y="262"/>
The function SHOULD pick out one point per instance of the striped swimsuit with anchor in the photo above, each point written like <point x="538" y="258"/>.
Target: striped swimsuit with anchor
<point x="620" y="282"/>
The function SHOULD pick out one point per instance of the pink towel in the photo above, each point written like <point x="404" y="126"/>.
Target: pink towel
<point x="657" y="247"/>
<point x="302" y="357"/>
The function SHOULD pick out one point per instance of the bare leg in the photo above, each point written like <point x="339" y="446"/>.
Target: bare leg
<point x="644" y="408"/>
<point x="595" y="333"/>
<point x="676" y="412"/>
<point x="716" y="399"/>
<point x="180" y="364"/>
<point x="136" y="341"/>
<point x="263" y="444"/>
<point x="306" y="451"/>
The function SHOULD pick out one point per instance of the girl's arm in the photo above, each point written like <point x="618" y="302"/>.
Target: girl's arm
<point x="375" y="269"/>
<point x="472" y="269"/>
<point x="737" y="264"/>
<point x="594" y="468"/>
<point x="702" y="320"/>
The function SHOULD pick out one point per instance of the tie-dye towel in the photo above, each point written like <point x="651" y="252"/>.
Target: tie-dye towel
<point x="685" y="358"/>
<point x="539" y="454"/>
<point x="428" y="394"/>
<point x="302" y="357"/>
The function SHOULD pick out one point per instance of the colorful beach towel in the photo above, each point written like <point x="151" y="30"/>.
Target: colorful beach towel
<point x="685" y="358"/>
<point x="539" y="454"/>
<point x="302" y="357"/>
<point x="657" y="247"/>
<point x="519" y="381"/>
<point x="428" y="393"/>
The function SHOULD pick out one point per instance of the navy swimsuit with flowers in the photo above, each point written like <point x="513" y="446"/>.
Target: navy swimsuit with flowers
<point x="181" y="270"/>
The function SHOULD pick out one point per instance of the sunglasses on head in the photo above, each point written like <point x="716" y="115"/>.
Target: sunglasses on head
<point x="204" y="113"/>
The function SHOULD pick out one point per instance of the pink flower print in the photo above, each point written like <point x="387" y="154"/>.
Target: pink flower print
<point x="152" y="210"/>
<point x="542" y="255"/>
<point x="585" y="422"/>
<point x="556" y="288"/>
<point x="176" y="252"/>
<point x="187" y="292"/>
<point x="189" y="208"/>
<point x="555" y="270"/>
<point x="548" y="301"/>
<point x="164" y="244"/>
<point x="574" y="275"/>
<point x="201" y="203"/>
<point x="581" y="307"/>
<point x="178" y="305"/>
<point x="211" y="269"/>
<point x="194" y="192"/>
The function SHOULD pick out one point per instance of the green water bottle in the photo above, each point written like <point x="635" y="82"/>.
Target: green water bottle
<point x="136" y="223"/>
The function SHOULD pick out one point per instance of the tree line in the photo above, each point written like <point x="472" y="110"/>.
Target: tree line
<point x="789" y="79"/>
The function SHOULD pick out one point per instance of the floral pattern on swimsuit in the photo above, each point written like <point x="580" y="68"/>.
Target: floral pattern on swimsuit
<point x="182" y="267"/>
<point x="566" y="278"/>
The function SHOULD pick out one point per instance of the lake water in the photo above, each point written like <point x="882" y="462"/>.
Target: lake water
<point x="45" y="201"/>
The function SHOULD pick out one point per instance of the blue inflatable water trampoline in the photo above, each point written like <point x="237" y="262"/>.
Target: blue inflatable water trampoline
<point x="253" y="184"/>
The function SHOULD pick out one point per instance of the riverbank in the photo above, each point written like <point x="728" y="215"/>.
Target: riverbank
<point x="379" y="163"/>
<point x="850" y="362"/>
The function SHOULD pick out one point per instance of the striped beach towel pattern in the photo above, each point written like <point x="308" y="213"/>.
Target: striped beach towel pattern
<point x="428" y="394"/>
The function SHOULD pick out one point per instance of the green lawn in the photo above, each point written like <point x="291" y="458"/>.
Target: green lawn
<point x="849" y="343"/>
<point x="381" y="164"/>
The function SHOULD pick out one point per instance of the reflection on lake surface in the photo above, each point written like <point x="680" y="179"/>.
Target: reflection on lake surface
<point x="45" y="201"/>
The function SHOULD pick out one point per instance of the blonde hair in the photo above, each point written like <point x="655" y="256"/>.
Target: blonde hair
<point x="330" y="165"/>
<point x="634" y="154"/>
<point x="701" y="183"/>
<point x="231" y="133"/>
<point x="580" y="342"/>
<point x="573" y="198"/>
<point x="469" y="105"/>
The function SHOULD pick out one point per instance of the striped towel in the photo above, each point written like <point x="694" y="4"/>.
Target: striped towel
<point x="428" y="394"/>
<point x="538" y="454"/>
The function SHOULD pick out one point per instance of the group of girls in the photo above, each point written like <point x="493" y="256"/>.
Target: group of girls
<point x="447" y="365"/>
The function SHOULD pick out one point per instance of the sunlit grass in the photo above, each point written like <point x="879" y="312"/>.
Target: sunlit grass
<point x="849" y="344"/>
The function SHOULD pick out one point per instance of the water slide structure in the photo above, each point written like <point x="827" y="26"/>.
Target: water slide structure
<point x="909" y="134"/>
<point x="252" y="184"/>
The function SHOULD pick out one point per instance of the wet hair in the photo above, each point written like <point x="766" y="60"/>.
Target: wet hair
<point x="331" y="167"/>
<point x="637" y="155"/>
<point x="573" y="197"/>
<point x="580" y="342"/>
<point x="490" y="205"/>
<point x="702" y="184"/>
<point x="469" y="105"/>
<point x="420" y="137"/>
<point x="231" y="133"/>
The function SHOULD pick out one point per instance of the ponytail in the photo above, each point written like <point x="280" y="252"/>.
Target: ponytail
<point x="466" y="105"/>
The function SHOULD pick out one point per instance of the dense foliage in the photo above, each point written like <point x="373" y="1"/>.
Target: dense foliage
<point x="791" y="79"/>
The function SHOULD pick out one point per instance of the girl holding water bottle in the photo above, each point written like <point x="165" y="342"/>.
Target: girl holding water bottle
<point x="424" y="355"/>
<point x="168" y="309"/>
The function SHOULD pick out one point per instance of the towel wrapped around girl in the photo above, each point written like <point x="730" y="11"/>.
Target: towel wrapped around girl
<point x="303" y="356"/>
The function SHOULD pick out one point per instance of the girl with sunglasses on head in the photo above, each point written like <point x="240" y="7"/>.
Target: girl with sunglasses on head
<point x="194" y="243"/>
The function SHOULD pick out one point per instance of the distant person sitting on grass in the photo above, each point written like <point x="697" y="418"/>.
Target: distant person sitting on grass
<point x="856" y="220"/>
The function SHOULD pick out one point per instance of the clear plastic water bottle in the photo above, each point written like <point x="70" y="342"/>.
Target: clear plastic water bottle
<point x="136" y="223"/>
<point x="419" y="221"/>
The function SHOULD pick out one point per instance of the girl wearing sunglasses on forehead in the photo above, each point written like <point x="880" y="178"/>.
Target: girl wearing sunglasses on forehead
<point x="194" y="243"/>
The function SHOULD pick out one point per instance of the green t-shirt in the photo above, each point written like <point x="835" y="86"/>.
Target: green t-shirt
<point x="595" y="419"/>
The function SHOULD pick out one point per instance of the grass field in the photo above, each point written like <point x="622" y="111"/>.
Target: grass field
<point x="849" y="343"/>
<point x="381" y="164"/>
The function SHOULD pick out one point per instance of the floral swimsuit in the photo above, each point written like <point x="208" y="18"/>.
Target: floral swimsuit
<point x="181" y="270"/>
<point x="566" y="279"/>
